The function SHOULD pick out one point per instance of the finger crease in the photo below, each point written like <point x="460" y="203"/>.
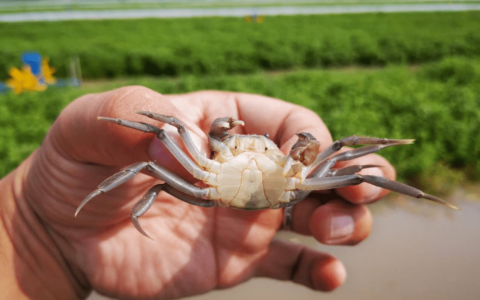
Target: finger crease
<point x="297" y="263"/>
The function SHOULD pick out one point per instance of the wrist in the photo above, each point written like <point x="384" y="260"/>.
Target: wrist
<point x="32" y="266"/>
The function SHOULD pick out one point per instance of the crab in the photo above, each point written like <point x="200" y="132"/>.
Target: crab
<point x="249" y="172"/>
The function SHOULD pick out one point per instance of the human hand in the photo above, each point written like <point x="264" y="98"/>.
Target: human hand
<point x="195" y="249"/>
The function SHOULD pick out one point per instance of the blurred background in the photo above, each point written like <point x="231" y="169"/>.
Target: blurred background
<point x="396" y="69"/>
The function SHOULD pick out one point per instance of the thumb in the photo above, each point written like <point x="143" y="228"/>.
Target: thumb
<point x="80" y="136"/>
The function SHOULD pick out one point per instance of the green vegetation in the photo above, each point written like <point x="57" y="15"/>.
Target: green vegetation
<point x="437" y="104"/>
<point x="429" y="89"/>
<point x="200" y="46"/>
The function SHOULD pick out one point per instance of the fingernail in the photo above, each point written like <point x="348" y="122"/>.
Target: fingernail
<point x="371" y="192"/>
<point x="341" y="226"/>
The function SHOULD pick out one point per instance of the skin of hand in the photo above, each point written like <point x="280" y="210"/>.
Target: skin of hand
<point x="49" y="254"/>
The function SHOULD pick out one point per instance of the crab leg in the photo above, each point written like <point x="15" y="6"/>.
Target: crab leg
<point x="176" y="181"/>
<point x="350" y="170"/>
<point x="143" y="205"/>
<point x="199" y="158"/>
<point x="352" y="141"/>
<point x="324" y="171"/>
<point x="318" y="180"/>
<point x="113" y="181"/>
<point x="149" y="198"/>
<point x="299" y="195"/>
<point x="188" y="164"/>
<point x="161" y="173"/>
<point x="326" y="165"/>
<point x="356" y="140"/>
<point x="347" y="180"/>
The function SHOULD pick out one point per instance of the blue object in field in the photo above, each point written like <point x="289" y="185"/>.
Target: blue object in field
<point x="34" y="60"/>
<point x="3" y="87"/>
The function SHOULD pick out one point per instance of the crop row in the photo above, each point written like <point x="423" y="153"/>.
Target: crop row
<point x="437" y="105"/>
<point x="171" y="47"/>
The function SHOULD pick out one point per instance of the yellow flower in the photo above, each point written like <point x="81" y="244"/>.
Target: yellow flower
<point x="23" y="80"/>
<point x="48" y="72"/>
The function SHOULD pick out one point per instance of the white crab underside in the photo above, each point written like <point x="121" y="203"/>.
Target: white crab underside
<point x="252" y="177"/>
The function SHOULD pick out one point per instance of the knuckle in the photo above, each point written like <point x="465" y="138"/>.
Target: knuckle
<point x="120" y="102"/>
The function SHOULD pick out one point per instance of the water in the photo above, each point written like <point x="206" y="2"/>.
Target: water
<point x="416" y="251"/>
<point x="233" y="11"/>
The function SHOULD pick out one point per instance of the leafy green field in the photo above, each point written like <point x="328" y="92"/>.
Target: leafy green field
<point x="214" y="46"/>
<point x="437" y="104"/>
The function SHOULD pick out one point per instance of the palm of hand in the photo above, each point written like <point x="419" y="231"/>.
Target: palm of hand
<point x="194" y="249"/>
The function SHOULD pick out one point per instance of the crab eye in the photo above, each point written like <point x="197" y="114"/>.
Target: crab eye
<point x="266" y="148"/>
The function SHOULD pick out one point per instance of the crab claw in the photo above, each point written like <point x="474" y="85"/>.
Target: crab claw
<point x="220" y="127"/>
<point x="305" y="149"/>
<point x="227" y="123"/>
<point x="237" y="122"/>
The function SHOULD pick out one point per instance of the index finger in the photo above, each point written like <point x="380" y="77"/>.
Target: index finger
<point x="261" y="114"/>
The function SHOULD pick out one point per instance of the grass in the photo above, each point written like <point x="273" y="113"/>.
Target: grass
<point x="436" y="104"/>
<point x="213" y="46"/>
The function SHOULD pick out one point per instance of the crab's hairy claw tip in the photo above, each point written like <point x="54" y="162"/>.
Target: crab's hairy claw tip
<point x="139" y="228"/>
<point x="238" y="122"/>
<point x="105" y="118"/>
<point x="142" y="112"/>
<point x="439" y="201"/>
<point x="407" y="141"/>
<point x="154" y="116"/>
<point x="112" y="120"/>
<point x="86" y="200"/>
